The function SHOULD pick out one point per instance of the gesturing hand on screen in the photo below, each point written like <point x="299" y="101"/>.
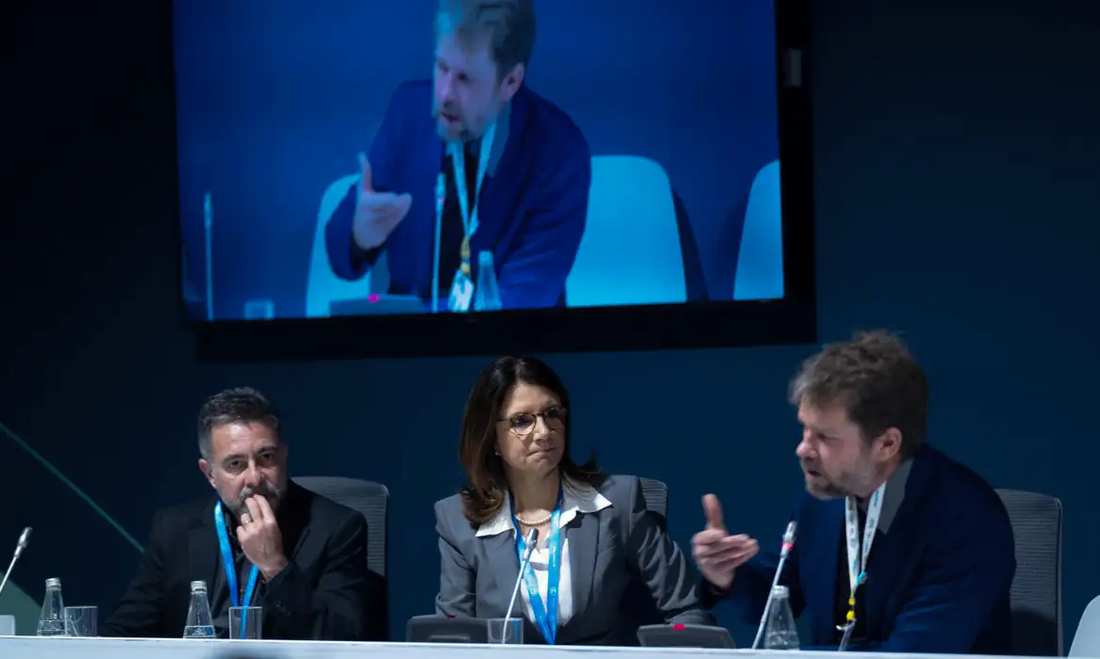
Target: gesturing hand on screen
<point x="376" y="213"/>
<point x="716" y="552"/>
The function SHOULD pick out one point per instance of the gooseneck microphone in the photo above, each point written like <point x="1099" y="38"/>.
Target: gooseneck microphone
<point x="788" y="543"/>
<point x="440" y="198"/>
<point x="530" y="541"/>
<point x="208" y="229"/>
<point x="24" y="540"/>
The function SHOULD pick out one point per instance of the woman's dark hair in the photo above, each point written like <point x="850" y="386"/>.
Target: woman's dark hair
<point x="486" y="482"/>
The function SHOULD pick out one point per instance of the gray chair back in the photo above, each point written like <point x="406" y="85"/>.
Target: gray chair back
<point x="1037" y="588"/>
<point x="371" y="500"/>
<point x="638" y="601"/>
<point x="655" y="493"/>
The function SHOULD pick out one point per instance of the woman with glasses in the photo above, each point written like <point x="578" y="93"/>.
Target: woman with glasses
<point x="602" y="564"/>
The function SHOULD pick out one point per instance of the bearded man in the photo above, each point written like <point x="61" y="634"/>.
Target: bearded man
<point x="899" y="547"/>
<point x="260" y="541"/>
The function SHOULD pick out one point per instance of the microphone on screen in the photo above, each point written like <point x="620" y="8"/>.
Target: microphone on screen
<point x="440" y="198"/>
<point x="208" y="253"/>
<point x="530" y="541"/>
<point x="784" y="552"/>
<point x="24" y="540"/>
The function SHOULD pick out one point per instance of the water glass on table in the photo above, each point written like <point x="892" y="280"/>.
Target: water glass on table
<point x="81" y="621"/>
<point x="246" y="623"/>
<point x="259" y="309"/>
<point x="508" y="631"/>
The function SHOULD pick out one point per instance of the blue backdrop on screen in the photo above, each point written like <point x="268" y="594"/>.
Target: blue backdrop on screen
<point x="276" y="99"/>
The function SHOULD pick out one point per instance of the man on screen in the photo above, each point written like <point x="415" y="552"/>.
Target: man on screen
<point x="523" y="168"/>
<point x="260" y="541"/>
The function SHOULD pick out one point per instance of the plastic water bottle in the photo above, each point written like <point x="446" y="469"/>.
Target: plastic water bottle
<point x="200" y="622"/>
<point x="487" y="293"/>
<point x="780" y="632"/>
<point x="52" y="620"/>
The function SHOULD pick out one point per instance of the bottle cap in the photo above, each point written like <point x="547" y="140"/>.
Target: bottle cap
<point x="484" y="258"/>
<point x="781" y="591"/>
<point x="198" y="585"/>
<point x="53" y="582"/>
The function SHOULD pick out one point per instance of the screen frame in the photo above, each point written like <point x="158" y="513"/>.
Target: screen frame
<point x="709" y="324"/>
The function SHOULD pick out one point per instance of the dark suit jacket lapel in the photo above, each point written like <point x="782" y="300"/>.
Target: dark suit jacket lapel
<point x="820" y="565"/>
<point x="889" y="552"/>
<point x="583" y="533"/>
<point x="204" y="558"/>
<point x="294" y="520"/>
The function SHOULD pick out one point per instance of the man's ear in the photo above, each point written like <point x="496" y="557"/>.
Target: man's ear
<point x="512" y="81"/>
<point x="207" y="471"/>
<point x="889" y="444"/>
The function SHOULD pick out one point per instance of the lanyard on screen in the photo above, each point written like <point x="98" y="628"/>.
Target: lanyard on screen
<point x="469" y="211"/>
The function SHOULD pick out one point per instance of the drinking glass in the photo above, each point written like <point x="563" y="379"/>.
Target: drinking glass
<point x="506" y="630"/>
<point x="81" y="621"/>
<point x="259" y="310"/>
<point x="246" y="622"/>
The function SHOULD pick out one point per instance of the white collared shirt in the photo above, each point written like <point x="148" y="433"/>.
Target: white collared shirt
<point x="576" y="498"/>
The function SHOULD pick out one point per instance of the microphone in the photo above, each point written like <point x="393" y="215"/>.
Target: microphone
<point x="208" y="226"/>
<point x="788" y="544"/>
<point x="440" y="197"/>
<point x="24" y="540"/>
<point x="530" y="541"/>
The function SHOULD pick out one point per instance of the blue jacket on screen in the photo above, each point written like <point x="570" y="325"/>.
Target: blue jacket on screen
<point x="938" y="576"/>
<point x="532" y="209"/>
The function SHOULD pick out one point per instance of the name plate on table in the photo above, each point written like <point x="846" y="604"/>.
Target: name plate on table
<point x="378" y="305"/>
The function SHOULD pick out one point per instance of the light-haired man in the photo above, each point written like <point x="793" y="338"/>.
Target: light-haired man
<point x="523" y="171"/>
<point x="260" y="541"/>
<point x="899" y="547"/>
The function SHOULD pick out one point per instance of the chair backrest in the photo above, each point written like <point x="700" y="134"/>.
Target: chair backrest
<point x="371" y="500"/>
<point x="630" y="252"/>
<point x="1037" y="588"/>
<point x="655" y="493"/>
<point x="638" y="601"/>
<point x="759" y="273"/>
<point x="323" y="286"/>
<point x="1086" y="640"/>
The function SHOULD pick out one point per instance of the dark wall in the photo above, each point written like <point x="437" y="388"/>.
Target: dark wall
<point x="956" y="160"/>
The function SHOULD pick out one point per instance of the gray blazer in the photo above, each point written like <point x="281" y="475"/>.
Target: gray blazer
<point x="613" y="553"/>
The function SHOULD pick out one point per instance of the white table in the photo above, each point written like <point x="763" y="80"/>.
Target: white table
<point x="30" y="647"/>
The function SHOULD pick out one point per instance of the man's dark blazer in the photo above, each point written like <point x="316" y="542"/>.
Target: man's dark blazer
<point x="322" y="594"/>
<point x="938" y="578"/>
<point x="619" y="557"/>
<point x="532" y="209"/>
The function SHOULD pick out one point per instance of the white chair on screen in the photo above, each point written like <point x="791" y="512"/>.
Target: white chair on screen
<point x="760" y="260"/>
<point x="630" y="252"/>
<point x="323" y="286"/>
<point x="1086" y="641"/>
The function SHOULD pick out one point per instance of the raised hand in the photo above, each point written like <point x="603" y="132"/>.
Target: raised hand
<point x="716" y="552"/>
<point x="260" y="538"/>
<point x="377" y="214"/>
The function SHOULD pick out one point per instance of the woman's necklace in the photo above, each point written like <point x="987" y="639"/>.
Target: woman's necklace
<point x="534" y="522"/>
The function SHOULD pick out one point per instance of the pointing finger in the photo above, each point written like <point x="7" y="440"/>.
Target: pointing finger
<point x="713" y="510"/>
<point x="364" y="165"/>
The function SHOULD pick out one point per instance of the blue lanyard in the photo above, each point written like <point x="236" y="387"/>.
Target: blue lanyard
<point x="230" y="565"/>
<point x="546" y="617"/>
